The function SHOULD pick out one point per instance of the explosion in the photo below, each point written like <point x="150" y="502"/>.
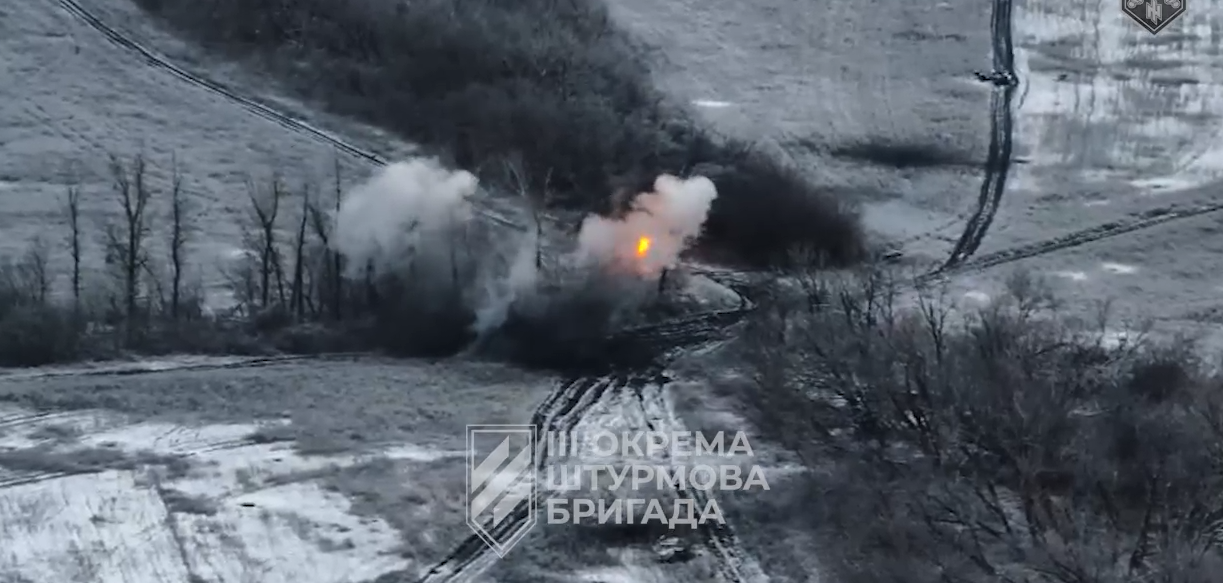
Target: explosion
<point x="659" y="226"/>
<point x="412" y="218"/>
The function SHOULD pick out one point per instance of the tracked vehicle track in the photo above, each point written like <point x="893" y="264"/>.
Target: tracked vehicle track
<point x="560" y="412"/>
<point x="1002" y="123"/>
<point x="1146" y="220"/>
<point x="717" y="537"/>
<point x="564" y="409"/>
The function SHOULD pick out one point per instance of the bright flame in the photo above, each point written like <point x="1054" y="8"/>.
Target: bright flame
<point x="643" y="246"/>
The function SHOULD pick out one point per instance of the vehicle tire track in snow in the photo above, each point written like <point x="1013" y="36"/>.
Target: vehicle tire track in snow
<point x="12" y="479"/>
<point x="565" y="407"/>
<point x="718" y="537"/>
<point x="155" y="60"/>
<point x="29" y="418"/>
<point x="289" y="122"/>
<point x="1002" y="123"/>
<point x="141" y="368"/>
<point x="1145" y="220"/>
<point x="560" y="412"/>
<point x="169" y="442"/>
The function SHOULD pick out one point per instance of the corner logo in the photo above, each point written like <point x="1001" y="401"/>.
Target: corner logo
<point x="1153" y="15"/>
<point x="501" y="472"/>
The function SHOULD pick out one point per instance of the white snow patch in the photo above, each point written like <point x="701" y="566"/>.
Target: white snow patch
<point x="417" y="453"/>
<point x="710" y="294"/>
<point x="977" y="296"/>
<point x="622" y="574"/>
<point x="170" y="439"/>
<point x="290" y="533"/>
<point x="108" y="527"/>
<point x="1119" y="268"/>
<point x="20" y="428"/>
<point x="150" y="365"/>
<point x="273" y="521"/>
<point x="1161" y="183"/>
<point x="1116" y="338"/>
<point x="1071" y="275"/>
<point x="224" y="472"/>
<point x="711" y="103"/>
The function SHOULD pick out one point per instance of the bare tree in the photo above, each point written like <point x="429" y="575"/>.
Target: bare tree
<point x="35" y="270"/>
<point x="319" y="227"/>
<point x="266" y="209"/>
<point x="298" y="293"/>
<point x="126" y="241"/>
<point x="72" y="207"/>
<point x="331" y="288"/>
<point x="537" y="200"/>
<point x="337" y="260"/>
<point x="996" y="445"/>
<point x="181" y="227"/>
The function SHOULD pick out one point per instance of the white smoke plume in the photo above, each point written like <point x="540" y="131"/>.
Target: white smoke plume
<point x="670" y="217"/>
<point x="501" y="290"/>
<point x="410" y="211"/>
<point x="407" y="210"/>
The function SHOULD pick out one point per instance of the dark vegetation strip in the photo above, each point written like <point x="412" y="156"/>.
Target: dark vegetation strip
<point x="1012" y="445"/>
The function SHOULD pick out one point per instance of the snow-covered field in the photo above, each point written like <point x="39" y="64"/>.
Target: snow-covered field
<point x="70" y="98"/>
<point x="239" y="512"/>
<point x="294" y="471"/>
<point x="1111" y="125"/>
<point x="344" y="470"/>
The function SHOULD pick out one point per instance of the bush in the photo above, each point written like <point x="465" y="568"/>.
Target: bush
<point x="409" y="320"/>
<point x="1005" y="447"/>
<point x="566" y="326"/>
<point x="550" y="80"/>
<point x="34" y="335"/>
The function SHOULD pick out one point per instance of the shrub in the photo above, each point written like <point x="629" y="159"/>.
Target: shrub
<point x="1004" y="445"/>
<point x="33" y="335"/>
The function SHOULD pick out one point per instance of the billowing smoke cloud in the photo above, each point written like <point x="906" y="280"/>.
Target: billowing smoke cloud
<point x="406" y="211"/>
<point x="500" y="291"/>
<point x="418" y="212"/>
<point x="669" y="219"/>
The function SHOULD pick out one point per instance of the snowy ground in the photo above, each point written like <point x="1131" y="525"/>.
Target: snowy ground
<point x="1110" y="123"/>
<point x="238" y="512"/>
<point x="69" y="98"/>
<point x="247" y="473"/>
<point x="327" y="471"/>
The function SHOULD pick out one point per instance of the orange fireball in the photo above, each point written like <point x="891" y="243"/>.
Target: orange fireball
<point x="643" y="246"/>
